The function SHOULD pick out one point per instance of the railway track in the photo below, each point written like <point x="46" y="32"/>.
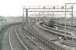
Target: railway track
<point x="56" y="32"/>
<point x="30" y="39"/>
<point x="36" y="40"/>
<point x="15" y="36"/>
<point x="46" y="42"/>
<point x="14" y="42"/>
<point x="58" y="46"/>
<point x="26" y="40"/>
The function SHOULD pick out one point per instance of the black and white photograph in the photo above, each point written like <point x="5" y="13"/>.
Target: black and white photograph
<point x="37" y="24"/>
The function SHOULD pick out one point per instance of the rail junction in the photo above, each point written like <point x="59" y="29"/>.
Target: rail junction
<point x="37" y="35"/>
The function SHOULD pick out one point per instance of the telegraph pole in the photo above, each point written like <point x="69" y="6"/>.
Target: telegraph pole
<point x="26" y="15"/>
<point x="23" y="18"/>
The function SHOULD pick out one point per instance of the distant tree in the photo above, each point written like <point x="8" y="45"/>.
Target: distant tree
<point x="3" y="21"/>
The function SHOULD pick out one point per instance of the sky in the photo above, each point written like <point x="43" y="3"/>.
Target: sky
<point x="14" y="7"/>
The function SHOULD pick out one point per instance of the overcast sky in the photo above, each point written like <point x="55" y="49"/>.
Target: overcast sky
<point x="14" y="7"/>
